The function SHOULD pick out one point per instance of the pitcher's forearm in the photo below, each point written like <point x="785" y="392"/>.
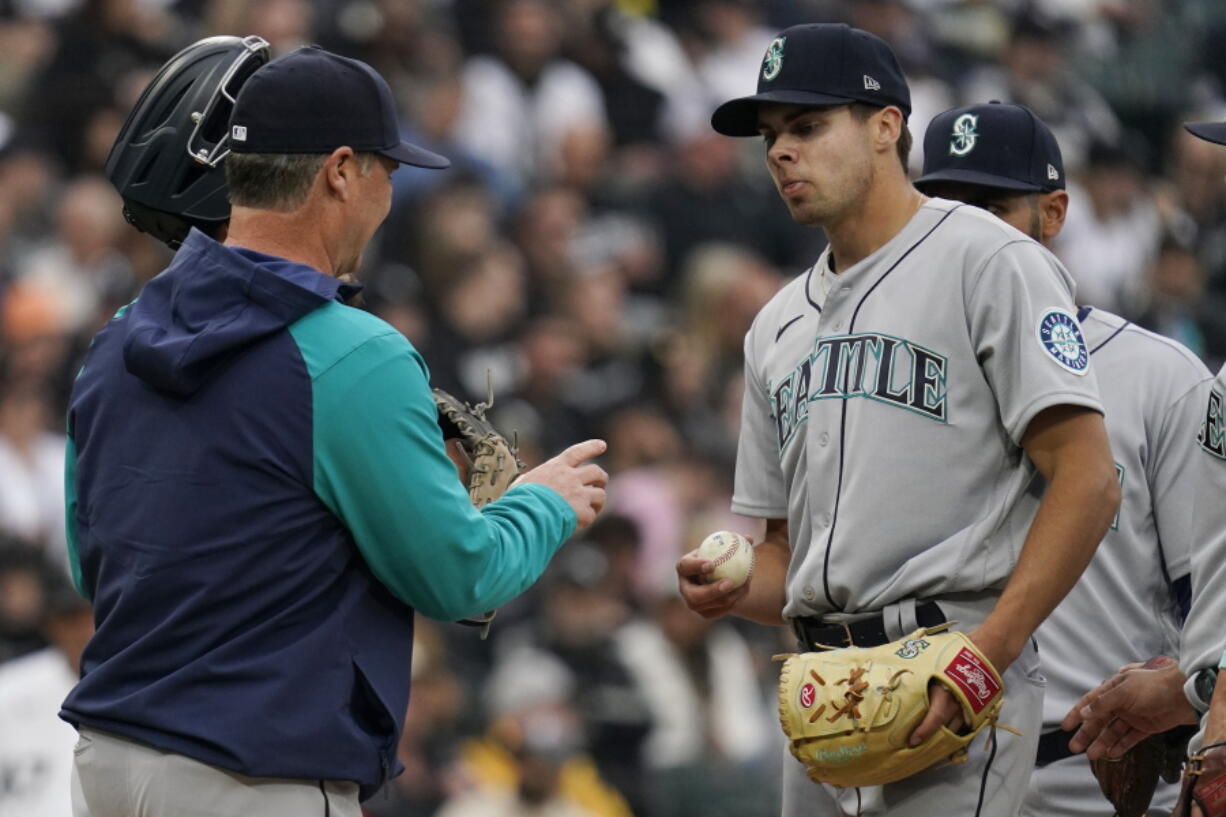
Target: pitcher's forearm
<point x="768" y="588"/>
<point x="1074" y="515"/>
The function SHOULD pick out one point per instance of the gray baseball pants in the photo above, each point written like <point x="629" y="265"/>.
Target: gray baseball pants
<point x="116" y="777"/>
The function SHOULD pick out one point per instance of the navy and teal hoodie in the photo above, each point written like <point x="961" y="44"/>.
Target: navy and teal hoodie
<point x="258" y="500"/>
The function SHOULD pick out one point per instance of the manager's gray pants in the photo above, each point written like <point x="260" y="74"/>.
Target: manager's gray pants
<point x="115" y="777"/>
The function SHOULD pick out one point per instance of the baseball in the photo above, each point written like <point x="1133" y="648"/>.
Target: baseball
<point x="732" y="554"/>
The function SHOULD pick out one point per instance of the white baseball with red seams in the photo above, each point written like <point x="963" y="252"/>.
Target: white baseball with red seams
<point x="732" y="554"/>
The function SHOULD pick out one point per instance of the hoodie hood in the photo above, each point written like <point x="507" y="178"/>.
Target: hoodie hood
<point x="211" y="303"/>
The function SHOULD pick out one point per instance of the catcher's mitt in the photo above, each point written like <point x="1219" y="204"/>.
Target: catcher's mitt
<point x="1129" y="782"/>
<point x="493" y="460"/>
<point x="1207" y="789"/>
<point x="850" y="712"/>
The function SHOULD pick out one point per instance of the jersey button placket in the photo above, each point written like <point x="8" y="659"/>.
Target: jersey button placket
<point x="824" y="420"/>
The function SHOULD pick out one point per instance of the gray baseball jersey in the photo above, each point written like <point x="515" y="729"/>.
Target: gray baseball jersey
<point x="1204" y="633"/>
<point x="1124" y="607"/>
<point x="884" y="420"/>
<point x="1154" y="391"/>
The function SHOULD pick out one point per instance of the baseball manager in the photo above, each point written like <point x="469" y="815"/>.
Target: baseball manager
<point x="258" y="492"/>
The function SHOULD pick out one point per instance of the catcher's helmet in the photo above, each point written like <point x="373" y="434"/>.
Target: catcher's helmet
<point x="166" y="161"/>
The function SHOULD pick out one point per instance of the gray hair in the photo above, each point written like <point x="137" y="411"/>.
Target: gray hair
<point x="277" y="181"/>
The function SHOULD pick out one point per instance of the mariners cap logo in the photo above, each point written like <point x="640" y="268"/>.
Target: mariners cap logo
<point x="965" y="134"/>
<point x="772" y="63"/>
<point x="1060" y="335"/>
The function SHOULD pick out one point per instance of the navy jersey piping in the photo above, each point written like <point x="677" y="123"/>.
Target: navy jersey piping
<point x="1166" y="576"/>
<point x="1111" y="337"/>
<point x="838" y="489"/>
<point x="785" y="327"/>
<point x="808" y="297"/>
<point x="987" y="768"/>
<point x="1180" y="588"/>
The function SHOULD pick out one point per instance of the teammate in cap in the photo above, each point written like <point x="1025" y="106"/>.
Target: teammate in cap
<point x="1203" y="655"/>
<point x="900" y="397"/>
<point x="1137" y="702"/>
<point x="1131" y="601"/>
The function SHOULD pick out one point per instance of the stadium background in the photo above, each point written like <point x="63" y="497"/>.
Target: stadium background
<point x="601" y="251"/>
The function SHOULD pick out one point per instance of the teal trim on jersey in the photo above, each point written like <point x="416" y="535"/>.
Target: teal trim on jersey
<point x="1221" y="664"/>
<point x="70" y="513"/>
<point x="381" y="467"/>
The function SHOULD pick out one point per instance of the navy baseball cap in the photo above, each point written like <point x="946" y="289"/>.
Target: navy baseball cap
<point x="819" y="64"/>
<point x="1000" y="144"/>
<point x="1209" y="131"/>
<point x="314" y="101"/>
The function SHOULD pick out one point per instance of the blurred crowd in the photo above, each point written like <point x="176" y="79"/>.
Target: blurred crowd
<point x="594" y="257"/>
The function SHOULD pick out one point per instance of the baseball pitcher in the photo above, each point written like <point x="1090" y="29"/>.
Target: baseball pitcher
<point x="922" y="435"/>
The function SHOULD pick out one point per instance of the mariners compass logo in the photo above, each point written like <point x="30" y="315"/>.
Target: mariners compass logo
<point x="1061" y="337"/>
<point x="911" y="648"/>
<point x="965" y="134"/>
<point x="772" y="63"/>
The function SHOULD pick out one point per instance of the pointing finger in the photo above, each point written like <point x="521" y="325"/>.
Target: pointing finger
<point x="580" y="452"/>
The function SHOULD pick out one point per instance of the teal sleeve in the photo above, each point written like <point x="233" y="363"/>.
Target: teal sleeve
<point x="381" y="467"/>
<point x="70" y="513"/>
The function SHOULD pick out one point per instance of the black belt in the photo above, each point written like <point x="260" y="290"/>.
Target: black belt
<point x="1053" y="746"/>
<point x="815" y="634"/>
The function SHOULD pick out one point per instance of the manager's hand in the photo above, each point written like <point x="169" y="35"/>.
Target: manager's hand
<point x="581" y="483"/>
<point x="1138" y="701"/>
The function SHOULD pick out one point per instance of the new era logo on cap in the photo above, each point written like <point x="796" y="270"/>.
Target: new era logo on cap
<point x="1052" y="173"/>
<point x="238" y="133"/>
<point x="871" y="84"/>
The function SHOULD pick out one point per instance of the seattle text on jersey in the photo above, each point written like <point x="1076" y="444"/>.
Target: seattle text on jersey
<point x="878" y="367"/>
